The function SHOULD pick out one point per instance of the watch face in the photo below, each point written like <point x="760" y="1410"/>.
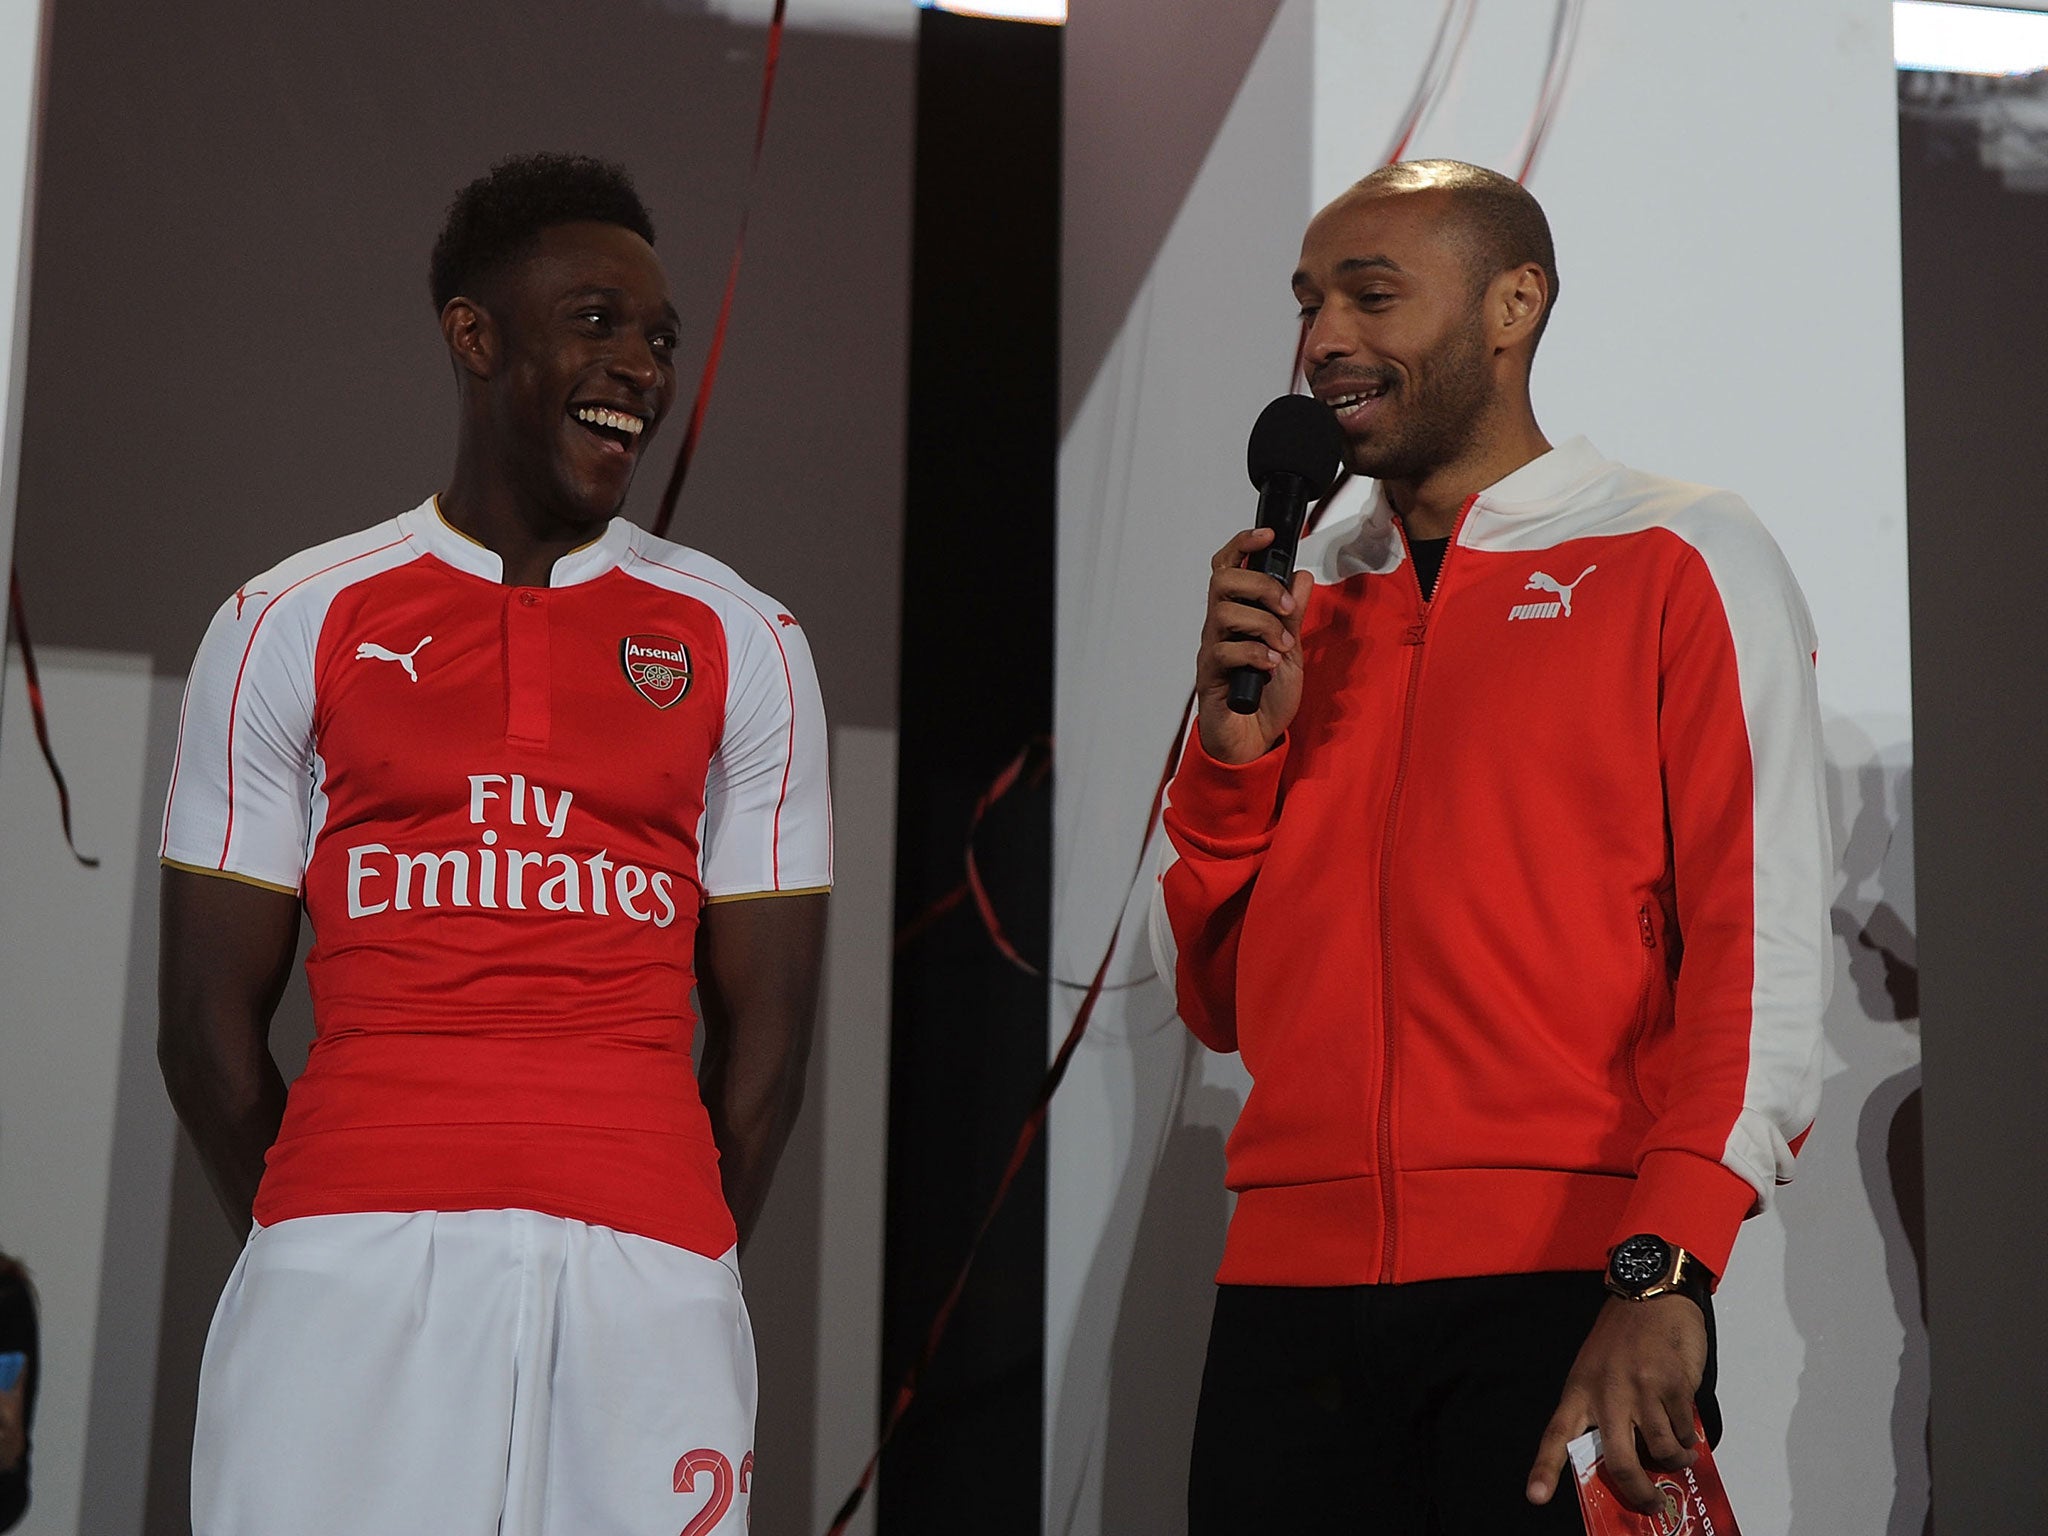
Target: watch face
<point x="1639" y="1262"/>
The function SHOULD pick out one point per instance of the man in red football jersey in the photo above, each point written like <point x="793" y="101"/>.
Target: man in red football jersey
<point x="532" y="775"/>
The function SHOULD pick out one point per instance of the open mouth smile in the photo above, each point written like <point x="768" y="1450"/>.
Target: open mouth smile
<point x="1353" y="405"/>
<point x="618" y="430"/>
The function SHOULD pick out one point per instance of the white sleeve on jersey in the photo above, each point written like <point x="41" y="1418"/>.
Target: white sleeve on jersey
<point x="243" y="798"/>
<point x="768" y="798"/>
<point x="241" y="793"/>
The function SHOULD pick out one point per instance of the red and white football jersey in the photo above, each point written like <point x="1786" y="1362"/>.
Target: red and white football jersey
<point x="503" y="808"/>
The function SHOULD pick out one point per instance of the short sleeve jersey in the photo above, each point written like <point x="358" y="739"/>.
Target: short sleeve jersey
<point x="503" y="808"/>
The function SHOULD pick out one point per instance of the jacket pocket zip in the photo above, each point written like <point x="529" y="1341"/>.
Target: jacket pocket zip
<point x="1645" y="995"/>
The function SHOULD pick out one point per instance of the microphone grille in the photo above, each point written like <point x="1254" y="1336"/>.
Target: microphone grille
<point x="1296" y="435"/>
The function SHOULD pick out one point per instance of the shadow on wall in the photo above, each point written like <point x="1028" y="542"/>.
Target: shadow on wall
<point x="1155" y="1363"/>
<point x="1872" y="1028"/>
<point x="1177" y="1209"/>
<point x="1885" y="971"/>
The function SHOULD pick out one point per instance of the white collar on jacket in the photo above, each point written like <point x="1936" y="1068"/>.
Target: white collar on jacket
<point x="1363" y="539"/>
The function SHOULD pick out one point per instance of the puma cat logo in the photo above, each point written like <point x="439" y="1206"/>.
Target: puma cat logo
<point x="1543" y="582"/>
<point x="368" y="651"/>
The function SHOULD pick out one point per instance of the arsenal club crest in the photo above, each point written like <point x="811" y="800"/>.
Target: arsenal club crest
<point x="657" y="667"/>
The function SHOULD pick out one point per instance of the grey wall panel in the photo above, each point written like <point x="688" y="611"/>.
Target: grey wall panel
<point x="123" y="1404"/>
<point x="849" y="1109"/>
<point x="1976" y="396"/>
<point x="232" y="352"/>
<point x="65" y="952"/>
<point x="1148" y="83"/>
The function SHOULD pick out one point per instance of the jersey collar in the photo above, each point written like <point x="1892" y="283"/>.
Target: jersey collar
<point x="426" y="527"/>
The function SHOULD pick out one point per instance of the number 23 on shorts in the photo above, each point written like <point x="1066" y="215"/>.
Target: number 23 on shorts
<point x="692" y="1465"/>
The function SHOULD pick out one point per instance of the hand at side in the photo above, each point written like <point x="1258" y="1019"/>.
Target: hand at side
<point x="1634" y="1379"/>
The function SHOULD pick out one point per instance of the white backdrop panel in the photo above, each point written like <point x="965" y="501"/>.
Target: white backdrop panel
<point x="1723" y="185"/>
<point x="1155" y="457"/>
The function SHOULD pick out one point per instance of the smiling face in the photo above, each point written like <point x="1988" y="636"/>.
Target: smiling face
<point x="1398" y="342"/>
<point x="583" y="367"/>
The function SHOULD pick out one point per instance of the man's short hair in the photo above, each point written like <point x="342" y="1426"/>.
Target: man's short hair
<point x="1501" y="225"/>
<point x="495" y="220"/>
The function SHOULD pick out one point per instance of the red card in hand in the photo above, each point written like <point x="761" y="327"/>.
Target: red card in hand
<point x="1695" y="1504"/>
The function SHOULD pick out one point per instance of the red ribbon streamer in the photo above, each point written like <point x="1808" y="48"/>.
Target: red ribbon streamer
<point x="18" y="617"/>
<point x="665" y="514"/>
<point x="1034" y="1123"/>
<point x="1295" y="377"/>
<point x="1564" y="43"/>
<point x="1426" y="91"/>
<point x="1005" y="782"/>
<point x="1436" y="73"/>
<point x="971" y="888"/>
<point x="1027" y="1137"/>
<point x="914" y="930"/>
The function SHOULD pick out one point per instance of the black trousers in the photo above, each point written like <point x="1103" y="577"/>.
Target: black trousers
<point x="1391" y="1410"/>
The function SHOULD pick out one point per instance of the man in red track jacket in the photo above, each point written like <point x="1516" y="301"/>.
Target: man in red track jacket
<point x="1513" y="896"/>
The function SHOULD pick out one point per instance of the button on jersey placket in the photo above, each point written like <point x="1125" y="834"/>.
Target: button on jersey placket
<point x="529" y="680"/>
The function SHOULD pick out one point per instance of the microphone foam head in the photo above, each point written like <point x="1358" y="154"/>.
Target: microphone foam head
<point x="1297" y="435"/>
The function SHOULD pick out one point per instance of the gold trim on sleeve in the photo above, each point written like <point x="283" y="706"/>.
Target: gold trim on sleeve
<point x="229" y="874"/>
<point x="804" y="890"/>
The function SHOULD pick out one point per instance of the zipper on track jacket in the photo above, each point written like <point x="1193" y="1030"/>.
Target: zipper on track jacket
<point x="1416" y="636"/>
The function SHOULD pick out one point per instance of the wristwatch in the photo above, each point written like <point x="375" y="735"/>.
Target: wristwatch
<point x="1645" y="1265"/>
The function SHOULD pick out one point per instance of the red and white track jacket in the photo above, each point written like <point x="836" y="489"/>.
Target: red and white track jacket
<point x="1522" y="929"/>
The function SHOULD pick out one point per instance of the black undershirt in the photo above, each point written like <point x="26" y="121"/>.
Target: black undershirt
<point x="1428" y="555"/>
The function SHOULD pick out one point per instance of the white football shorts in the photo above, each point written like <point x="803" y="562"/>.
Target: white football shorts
<point x="473" y="1373"/>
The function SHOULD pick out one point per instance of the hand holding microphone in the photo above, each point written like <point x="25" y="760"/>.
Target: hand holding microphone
<point x="1248" y="677"/>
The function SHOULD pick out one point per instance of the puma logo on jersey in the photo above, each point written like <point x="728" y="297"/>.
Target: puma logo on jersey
<point x="369" y="651"/>
<point x="1541" y="582"/>
<point x="242" y="596"/>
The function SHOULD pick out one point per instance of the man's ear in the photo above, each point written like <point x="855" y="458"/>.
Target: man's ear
<point x="472" y="336"/>
<point x="1516" y="302"/>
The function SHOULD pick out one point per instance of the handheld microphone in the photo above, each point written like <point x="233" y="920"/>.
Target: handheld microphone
<point x="1296" y="450"/>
